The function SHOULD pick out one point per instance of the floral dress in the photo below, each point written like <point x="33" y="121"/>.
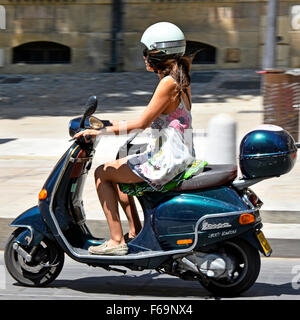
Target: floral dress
<point x="170" y="150"/>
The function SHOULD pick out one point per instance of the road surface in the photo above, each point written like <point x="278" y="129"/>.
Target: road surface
<point x="279" y="279"/>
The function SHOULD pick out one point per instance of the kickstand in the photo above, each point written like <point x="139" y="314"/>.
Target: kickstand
<point x="108" y="268"/>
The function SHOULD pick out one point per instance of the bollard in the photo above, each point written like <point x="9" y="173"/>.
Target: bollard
<point x="221" y="140"/>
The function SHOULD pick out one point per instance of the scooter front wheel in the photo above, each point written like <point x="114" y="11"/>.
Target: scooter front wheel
<point x="46" y="263"/>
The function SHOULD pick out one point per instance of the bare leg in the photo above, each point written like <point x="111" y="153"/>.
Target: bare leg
<point x="129" y="208"/>
<point x="106" y="176"/>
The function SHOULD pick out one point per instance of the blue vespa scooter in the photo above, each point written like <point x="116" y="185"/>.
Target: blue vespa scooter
<point x="208" y="229"/>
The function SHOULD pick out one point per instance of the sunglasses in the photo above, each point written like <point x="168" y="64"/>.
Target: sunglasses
<point x="153" y="54"/>
<point x="145" y="52"/>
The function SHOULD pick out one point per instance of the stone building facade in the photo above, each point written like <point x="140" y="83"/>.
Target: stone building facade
<point x="41" y="36"/>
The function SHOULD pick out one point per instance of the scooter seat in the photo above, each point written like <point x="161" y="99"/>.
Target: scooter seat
<point x="212" y="176"/>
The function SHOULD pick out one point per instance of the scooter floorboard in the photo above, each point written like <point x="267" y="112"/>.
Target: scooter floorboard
<point x="148" y="253"/>
<point x="141" y="260"/>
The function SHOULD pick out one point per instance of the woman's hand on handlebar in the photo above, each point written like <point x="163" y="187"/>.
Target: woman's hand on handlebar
<point x="115" y="122"/>
<point x="88" y="135"/>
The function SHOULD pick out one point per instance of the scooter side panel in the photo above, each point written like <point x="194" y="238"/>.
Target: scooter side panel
<point x="57" y="208"/>
<point x="176" y="219"/>
<point x="61" y="215"/>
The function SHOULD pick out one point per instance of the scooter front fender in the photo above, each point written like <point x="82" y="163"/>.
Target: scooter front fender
<point x="32" y="220"/>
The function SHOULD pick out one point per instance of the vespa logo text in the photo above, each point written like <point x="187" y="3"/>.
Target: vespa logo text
<point x="211" y="226"/>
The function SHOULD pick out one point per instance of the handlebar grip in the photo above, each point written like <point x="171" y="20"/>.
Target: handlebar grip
<point x="80" y="139"/>
<point x="87" y="139"/>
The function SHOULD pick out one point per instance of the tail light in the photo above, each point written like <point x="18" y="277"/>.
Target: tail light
<point x="252" y="199"/>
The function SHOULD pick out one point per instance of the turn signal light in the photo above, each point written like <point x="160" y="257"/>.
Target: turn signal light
<point x="184" y="241"/>
<point x="246" y="218"/>
<point x="43" y="194"/>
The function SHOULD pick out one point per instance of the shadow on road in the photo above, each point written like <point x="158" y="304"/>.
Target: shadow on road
<point x="268" y="290"/>
<point x="151" y="285"/>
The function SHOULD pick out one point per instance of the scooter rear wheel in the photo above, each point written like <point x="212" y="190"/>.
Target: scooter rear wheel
<point x="247" y="268"/>
<point x="47" y="262"/>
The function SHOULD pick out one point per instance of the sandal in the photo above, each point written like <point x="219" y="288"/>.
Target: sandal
<point x="127" y="238"/>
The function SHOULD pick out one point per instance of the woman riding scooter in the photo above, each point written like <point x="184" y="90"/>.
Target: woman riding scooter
<point x="169" y="113"/>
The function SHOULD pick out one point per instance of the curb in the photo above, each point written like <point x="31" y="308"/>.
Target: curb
<point x="284" y="248"/>
<point x="278" y="216"/>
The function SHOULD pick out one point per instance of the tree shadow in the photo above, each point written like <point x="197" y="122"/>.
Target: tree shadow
<point x="66" y="94"/>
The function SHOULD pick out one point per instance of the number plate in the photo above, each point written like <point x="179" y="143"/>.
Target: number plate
<point x="264" y="243"/>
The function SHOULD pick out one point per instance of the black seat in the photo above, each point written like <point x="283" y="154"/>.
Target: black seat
<point x="212" y="176"/>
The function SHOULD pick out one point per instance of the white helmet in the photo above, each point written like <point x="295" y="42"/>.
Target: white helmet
<point x="165" y="37"/>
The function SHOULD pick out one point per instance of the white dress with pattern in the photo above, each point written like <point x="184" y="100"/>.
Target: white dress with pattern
<point x="170" y="150"/>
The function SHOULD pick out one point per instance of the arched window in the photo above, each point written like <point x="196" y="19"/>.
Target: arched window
<point x="207" y="54"/>
<point x="41" y="52"/>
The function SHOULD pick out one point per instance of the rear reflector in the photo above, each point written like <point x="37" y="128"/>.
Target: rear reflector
<point x="184" y="241"/>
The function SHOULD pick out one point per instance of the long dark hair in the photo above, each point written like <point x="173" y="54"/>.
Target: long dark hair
<point x="178" y="67"/>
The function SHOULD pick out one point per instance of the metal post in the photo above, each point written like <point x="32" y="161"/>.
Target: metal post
<point x="116" y="28"/>
<point x="2" y="18"/>
<point x="269" y="59"/>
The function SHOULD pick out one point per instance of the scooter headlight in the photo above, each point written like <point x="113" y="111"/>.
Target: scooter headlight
<point x="95" y="123"/>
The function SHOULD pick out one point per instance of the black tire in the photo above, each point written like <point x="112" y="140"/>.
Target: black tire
<point x="246" y="271"/>
<point x="35" y="273"/>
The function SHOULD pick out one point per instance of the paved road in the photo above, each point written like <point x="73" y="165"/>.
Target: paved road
<point x="279" y="280"/>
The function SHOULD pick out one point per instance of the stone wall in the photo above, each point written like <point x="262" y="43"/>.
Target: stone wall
<point x="84" y="26"/>
<point x="230" y="27"/>
<point x="234" y="28"/>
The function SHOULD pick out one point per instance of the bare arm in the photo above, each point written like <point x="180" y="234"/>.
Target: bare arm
<point x="157" y="105"/>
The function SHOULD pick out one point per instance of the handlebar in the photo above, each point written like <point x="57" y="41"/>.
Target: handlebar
<point x="82" y="140"/>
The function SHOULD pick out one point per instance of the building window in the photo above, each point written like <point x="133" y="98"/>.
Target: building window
<point x="207" y="54"/>
<point x="41" y="52"/>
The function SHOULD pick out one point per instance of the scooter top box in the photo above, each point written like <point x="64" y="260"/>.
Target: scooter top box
<point x="267" y="151"/>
